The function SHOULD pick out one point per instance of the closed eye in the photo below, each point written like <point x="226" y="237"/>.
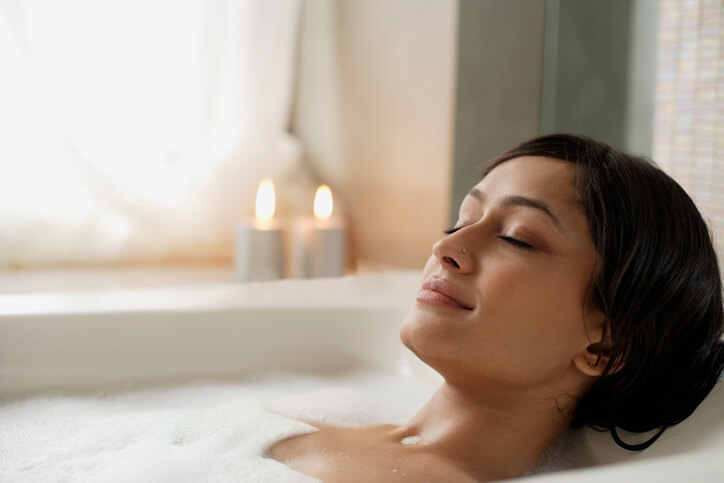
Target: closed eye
<point x="515" y="242"/>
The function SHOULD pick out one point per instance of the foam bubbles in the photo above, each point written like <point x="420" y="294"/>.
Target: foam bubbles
<point x="411" y="440"/>
<point x="199" y="432"/>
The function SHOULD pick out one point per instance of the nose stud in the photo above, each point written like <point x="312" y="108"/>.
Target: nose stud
<point x="464" y="250"/>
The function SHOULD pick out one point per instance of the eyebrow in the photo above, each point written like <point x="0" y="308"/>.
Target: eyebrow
<point x="517" y="200"/>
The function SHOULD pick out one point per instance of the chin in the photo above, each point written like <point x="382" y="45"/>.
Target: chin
<point x="425" y="335"/>
<point x="406" y="335"/>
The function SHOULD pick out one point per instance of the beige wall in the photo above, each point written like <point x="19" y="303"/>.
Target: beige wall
<point x="374" y="111"/>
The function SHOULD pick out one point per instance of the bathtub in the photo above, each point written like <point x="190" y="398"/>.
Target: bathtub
<point x="85" y="342"/>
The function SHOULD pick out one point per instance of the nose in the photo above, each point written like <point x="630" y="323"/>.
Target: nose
<point x="450" y="254"/>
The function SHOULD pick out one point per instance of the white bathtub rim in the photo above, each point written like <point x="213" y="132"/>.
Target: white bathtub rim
<point x="394" y="290"/>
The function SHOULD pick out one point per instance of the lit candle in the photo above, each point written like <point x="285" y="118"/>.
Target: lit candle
<point x="319" y="242"/>
<point x="259" y="248"/>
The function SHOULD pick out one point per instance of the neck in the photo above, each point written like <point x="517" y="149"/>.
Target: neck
<point x="490" y="436"/>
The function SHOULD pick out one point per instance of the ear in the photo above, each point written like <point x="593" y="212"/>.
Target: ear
<point x="593" y="359"/>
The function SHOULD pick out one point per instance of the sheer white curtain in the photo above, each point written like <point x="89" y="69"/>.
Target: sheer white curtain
<point x="689" y="110"/>
<point x="139" y="129"/>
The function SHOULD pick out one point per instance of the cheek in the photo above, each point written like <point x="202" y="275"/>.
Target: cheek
<point x="525" y="298"/>
<point x="532" y="320"/>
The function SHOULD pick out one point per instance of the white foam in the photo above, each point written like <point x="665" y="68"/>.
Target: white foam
<point x="203" y="432"/>
<point x="411" y="440"/>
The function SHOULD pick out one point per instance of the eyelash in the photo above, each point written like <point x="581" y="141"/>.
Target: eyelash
<point x="513" y="241"/>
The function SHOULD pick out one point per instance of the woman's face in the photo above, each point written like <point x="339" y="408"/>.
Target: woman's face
<point x="503" y="296"/>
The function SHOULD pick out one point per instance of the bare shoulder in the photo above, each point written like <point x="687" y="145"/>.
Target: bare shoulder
<point x="361" y="454"/>
<point x="306" y="448"/>
<point x="303" y="444"/>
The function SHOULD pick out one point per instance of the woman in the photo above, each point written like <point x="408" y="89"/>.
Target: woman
<point x="579" y="286"/>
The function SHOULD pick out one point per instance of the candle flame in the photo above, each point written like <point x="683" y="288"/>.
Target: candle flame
<point x="323" y="202"/>
<point x="265" y="201"/>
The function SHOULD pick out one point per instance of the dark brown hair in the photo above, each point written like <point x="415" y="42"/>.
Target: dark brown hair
<point x="657" y="282"/>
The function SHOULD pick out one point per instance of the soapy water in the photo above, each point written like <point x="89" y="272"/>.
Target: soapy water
<point x="410" y="440"/>
<point x="211" y="432"/>
<point x="215" y="432"/>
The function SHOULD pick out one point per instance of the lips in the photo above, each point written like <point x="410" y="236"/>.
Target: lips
<point x="439" y="291"/>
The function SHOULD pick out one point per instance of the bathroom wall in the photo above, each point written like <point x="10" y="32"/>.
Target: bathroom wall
<point x="639" y="136"/>
<point x="500" y="73"/>
<point x="374" y="111"/>
<point x="588" y="51"/>
<point x="529" y="67"/>
<point x="600" y="64"/>
<point x="399" y="102"/>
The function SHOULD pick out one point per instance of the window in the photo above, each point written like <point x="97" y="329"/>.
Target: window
<point x="137" y="130"/>
<point x="689" y="105"/>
